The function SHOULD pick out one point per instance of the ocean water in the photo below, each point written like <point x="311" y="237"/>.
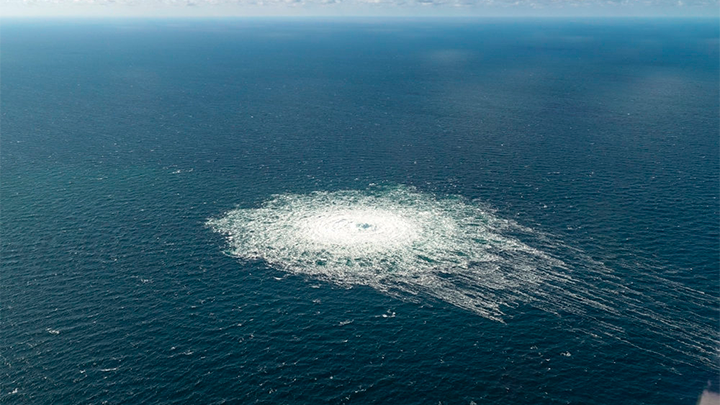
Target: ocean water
<point x="359" y="211"/>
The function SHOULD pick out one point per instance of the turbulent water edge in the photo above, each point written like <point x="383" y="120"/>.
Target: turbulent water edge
<point x="417" y="246"/>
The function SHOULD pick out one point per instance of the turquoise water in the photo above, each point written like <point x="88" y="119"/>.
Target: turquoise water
<point x="285" y="211"/>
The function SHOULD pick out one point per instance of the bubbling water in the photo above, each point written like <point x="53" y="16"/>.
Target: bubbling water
<point x="395" y="240"/>
<point x="416" y="246"/>
<point x="365" y="228"/>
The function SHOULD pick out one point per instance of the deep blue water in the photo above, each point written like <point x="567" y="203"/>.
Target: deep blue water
<point x="120" y="139"/>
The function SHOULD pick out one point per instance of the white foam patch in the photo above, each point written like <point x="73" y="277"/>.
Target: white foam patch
<point x="416" y="246"/>
<point x="394" y="240"/>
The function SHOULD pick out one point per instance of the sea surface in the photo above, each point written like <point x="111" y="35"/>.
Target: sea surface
<point x="351" y="211"/>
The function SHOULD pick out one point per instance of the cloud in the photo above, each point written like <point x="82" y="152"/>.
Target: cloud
<point x="348" y="7"/>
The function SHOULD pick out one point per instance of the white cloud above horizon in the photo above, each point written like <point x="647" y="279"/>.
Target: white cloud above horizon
<point x="214" y="8"/>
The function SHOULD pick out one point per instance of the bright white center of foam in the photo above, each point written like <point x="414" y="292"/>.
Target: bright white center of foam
<point x="373" y="229"/>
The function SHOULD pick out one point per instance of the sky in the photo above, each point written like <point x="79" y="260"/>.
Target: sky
<point x="410" y="8"/>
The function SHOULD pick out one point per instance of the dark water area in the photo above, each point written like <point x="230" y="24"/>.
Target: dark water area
<point x="120" y="139"/>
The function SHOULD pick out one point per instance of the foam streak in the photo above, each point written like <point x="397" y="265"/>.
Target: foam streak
<point x="413" y="245"/>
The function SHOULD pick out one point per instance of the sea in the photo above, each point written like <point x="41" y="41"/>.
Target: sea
<point x="359" y="211"/>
